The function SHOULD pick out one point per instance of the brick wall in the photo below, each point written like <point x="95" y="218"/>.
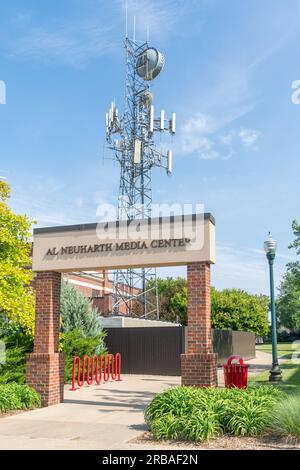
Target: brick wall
<point x="45" y="366"/>
<point x="199" y="363"/>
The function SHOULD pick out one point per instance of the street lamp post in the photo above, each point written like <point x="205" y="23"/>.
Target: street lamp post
<point x="270" y="246"/>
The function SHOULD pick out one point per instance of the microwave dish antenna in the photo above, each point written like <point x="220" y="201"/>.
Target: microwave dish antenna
<point x="150" y="63"/>
<point x="146" y="99"/>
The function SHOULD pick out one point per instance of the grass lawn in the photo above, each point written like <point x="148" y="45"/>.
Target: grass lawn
<point x="285" y="350"/>
<point x="290" y="371"/>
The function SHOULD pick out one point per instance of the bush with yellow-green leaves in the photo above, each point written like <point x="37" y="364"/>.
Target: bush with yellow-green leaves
<point x="16" y="295"/>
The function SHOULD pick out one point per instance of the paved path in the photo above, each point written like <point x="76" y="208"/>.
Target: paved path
<point x="96" y="417"/>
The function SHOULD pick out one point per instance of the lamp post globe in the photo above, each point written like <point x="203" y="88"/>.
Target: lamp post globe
<point x="270" y="247"/>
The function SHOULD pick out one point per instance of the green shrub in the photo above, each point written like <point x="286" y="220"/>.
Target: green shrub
<point x="9" y="400"/>
<point x="196" y="428"/>
<point x="176" y="401"/>
<point x="17" y="345"/>
<point x="285" y="419"/>
<point x="247" y="412"/>
<point x="167" y="427"/>
<point x="28" y="396"/>
<point x="75" y="343"/>
<point x="72" y="343"/>
<point x="196" y="414"/>
<point x="246" y="417"/>
<point x="77" y="312"/>
<point x="201" y="425"/>
<point x="18" y="397"/>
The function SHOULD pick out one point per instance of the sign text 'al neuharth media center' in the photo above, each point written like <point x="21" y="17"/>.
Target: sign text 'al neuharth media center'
<point x="157" y="242"/>
<point x="123" y="246"/>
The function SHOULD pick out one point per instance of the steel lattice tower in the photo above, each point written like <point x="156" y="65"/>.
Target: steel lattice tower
<point x="136" y="153"/>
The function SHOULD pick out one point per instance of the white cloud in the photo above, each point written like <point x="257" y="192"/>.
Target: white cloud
<point x="99" y="29"/>
<point x="248" y="137"/>
<point x="210" y="155"/>
<point x="73" y="43"/>
<point x="199" y="136"/>
<point x="77" y="41"/>
<point x="243" y="269"/>
<point x="42" y="201"/>
<point x="198" y="123"/>
<point x="226" y="139"/>
<point x="278" y="255"/>
<point x="194" y="137"/>
<point x="229" y="154"/>
<point x="196" y="143"/>
<point x="159" y="16"/>
<point x="3" y="174"/>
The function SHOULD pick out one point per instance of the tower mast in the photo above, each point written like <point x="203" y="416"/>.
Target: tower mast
<point x="136" y="153"/>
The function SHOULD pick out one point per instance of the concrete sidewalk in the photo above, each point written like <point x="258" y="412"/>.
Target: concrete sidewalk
<point x="96" y="417"/>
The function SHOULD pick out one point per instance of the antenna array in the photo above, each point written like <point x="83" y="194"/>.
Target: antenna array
<point x="131" y="138"/>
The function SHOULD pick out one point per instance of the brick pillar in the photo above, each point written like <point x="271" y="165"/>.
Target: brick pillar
<point x="199" y="363"/>
<point x="45" y="366"/>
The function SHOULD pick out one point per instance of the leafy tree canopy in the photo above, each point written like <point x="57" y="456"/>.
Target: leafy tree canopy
<point x="288" y="301"/>
<point x="230" y="309"/>
<point x="296" y="243"/>
<point x="179" y="304"/>
<point x="16" y="296"/>
<point x="167" y="289"/>
<point x="238" y="310"/>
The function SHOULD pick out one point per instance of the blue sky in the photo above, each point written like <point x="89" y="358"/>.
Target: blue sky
<point x="228" y="75"/>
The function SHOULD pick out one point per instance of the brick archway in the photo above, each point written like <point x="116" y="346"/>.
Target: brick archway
<point x="45" y="366"/>
<point x="85" y="248"/>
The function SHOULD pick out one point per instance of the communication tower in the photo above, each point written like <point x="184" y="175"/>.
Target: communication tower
<point x="131" y="138"/>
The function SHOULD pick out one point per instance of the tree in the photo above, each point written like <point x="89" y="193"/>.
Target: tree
<point x="288" y="301"/>
<point x="16" y="295"/>
<point x="80" y="326"/>
<point x="230" y="309"/>
<point x="77" y="312"/>
<point x="179" y="305"/>
<point x="296" y="243"/>
<point x="167" y="289"/>
<point x="238" y="310"/>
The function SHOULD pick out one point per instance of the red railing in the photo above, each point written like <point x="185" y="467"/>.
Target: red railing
<point x="96" y="369"/>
